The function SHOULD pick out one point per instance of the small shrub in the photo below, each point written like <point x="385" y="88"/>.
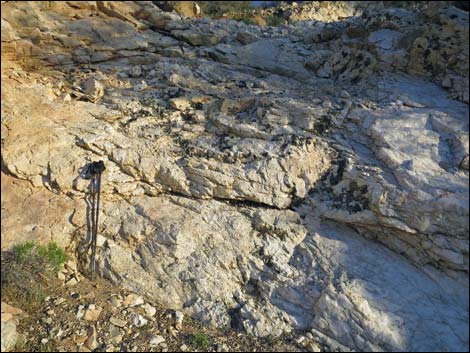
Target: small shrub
<point x="53" y="254"/>
<point x="28" y="272"/>
<point x="247" y="19"/>
<point x="274" y="21"/>
<point x="200" y="341"/>
<point x="215" y="9"/>
<point x="22" y="251"/>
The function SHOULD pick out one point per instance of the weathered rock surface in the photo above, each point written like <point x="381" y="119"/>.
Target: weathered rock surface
<point x="9" y="322"/>
<point x="243" y="163"/>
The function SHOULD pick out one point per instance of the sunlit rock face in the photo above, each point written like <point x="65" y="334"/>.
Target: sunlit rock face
<point x="307" y="176"/>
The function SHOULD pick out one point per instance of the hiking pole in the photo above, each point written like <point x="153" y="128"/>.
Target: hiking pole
<point x="96" y="168"/>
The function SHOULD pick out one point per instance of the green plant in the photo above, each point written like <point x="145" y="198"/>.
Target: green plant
<point x="200" y="341"/>
<point x="28" y="272"/>
<point x="247" y="19"/>
<point x="53" y="254"/>
<point x="274" y="21"/>
<point x="22" y="251"/>
<point x="216" y="9"/>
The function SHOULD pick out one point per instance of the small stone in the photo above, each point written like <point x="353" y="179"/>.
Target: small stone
<point x="150" y="311"/>
<point x="133" y="300"/>
<point x="117" y="322"/>
<point x="92" y="314"/>
<point x="313" y="347"/>
<point x="141" y="86"/>
<point x="223" y="348"/>
<point x="44" y="340"/>
<point x="180" y="103"/>
<point x="179" y="316"/>
<point x="61" y="276"/>
<point x="136" y="71"/>
<point x="92" y="339"/>
<point x="80" y="312"/>
<point x="183" y="348"/>
<point x="95" y="90"/>
<point x="139" y="320"/>
<point x="59" y="301"/>
<point x="155" y="340"/>
<point x="71" y="282"/>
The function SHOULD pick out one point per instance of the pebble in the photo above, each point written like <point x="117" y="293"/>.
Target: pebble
<point x="223" y="348"/>
<point x="141" y="86"/>
<point x="183" y="348"/>
<point x="44" y="340"/>
<point x="150" y="311"/>
<point x="59" y="301"/>
<point x="316" y="101"/>
<point x="80" y="312"/>
<point x="136" y="71"/>
<point x="117" y="322"/>
<point x="139" y="320"/>
<point x="92" y="314"/>
<point x="179" y="316"/>
<point x="155" y="340"/>
<point x="71" y="282"/>
<point x="314" y="347"/>
<point x="92" y="340"/>
<point x="133" y="300"/>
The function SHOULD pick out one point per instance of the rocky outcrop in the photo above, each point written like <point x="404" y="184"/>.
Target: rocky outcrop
<point x="243" y="164"/>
